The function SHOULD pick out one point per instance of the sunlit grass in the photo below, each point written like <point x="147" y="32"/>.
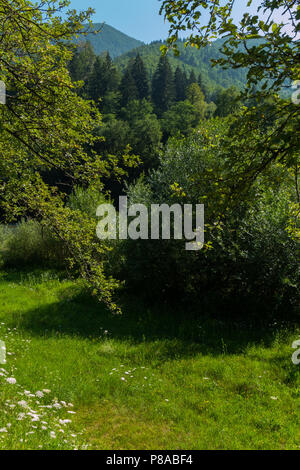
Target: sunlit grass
<point x="147" y="380"/>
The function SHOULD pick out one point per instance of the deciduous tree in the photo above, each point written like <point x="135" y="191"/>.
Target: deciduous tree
<point x="45" y="125"/>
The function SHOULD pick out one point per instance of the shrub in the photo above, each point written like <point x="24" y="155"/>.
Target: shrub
<point x="86" y="200"/>
<point x="27" y="244"/>
<point x="252" y="268"/>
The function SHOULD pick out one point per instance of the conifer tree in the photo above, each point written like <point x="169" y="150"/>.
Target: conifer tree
<point x="180" y="84"/>
<point x="128" y="87"/>
<point x="81" y="64"/>
<point x="103" y="79"/>
<point x="96" y="86"/>
<point x="200" y="81"/>
<point x="140" y="76"/>
<point x="192" y="78"/>
<point x="163" y="87"/>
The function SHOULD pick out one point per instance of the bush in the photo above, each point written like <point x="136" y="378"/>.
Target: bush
<point x="86" y="200"/>
<point x="252" y="268"/>
<point x="28" y="243"/>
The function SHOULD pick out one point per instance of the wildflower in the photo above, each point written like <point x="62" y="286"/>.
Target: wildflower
<point x="11" y="380"/>
<point x="39" y="394"/>
<point x="65" y="421"/>
<point x="35" y="418"/>
<point x="23" y="403"/>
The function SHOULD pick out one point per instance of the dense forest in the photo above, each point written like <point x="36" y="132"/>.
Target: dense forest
<point x="143" y="104"/>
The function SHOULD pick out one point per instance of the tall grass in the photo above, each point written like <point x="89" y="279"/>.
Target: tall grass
<point x="27" y="243"/>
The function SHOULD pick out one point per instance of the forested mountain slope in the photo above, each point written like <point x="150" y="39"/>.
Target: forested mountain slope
<point x="110" y="39"/>
<point x="189" y="59"/>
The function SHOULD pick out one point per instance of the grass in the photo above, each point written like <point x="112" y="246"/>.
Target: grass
<point x="154" y="379"/>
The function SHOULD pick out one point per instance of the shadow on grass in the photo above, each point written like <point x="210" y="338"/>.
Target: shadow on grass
<point x="186" y="329"/>
<point x="184" y="333"/>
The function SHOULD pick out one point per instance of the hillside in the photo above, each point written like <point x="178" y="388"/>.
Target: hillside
<point x="122" y="48"/>
<point x="111" y="40"/>
<point x="189" y="59"/>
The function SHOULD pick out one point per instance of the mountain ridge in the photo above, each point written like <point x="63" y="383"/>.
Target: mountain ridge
<point x="122" y="48"/>
<point x="109" y="39"/>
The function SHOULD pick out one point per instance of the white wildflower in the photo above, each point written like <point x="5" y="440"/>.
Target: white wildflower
<point x="65" y="421"/>
<point x="23" y="403"/>
<point x="11" y="380"/>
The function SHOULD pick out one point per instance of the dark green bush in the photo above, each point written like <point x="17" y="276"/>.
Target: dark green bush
<point x="252" y="267"/>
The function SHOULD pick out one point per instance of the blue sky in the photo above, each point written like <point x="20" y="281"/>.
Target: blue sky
<point x="138" y="18"/>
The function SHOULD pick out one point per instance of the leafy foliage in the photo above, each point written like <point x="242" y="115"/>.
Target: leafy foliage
<point x="271" y="56"/>
<point x="46" y="126"/>
<point x="249" y="258"/>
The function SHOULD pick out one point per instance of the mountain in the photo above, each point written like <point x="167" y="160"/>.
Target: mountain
<point x="190" y="59"/>
<point x="123" y="48"/>
<point x="109" y="39"/>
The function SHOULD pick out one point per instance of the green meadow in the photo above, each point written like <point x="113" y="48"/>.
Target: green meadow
<point x="79" y="377"/>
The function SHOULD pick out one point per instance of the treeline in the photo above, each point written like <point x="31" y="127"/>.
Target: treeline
<point x="190" y="59"/>
<point x="143" y="110"/>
